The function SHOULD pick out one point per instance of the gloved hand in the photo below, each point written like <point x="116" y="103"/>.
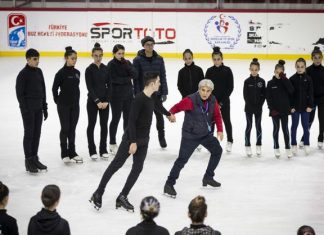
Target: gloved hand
<point x="45" y="113"/>
<point x="163" y="98"/>
<point x="274" y="113"/>
<point x="283" y="76"/>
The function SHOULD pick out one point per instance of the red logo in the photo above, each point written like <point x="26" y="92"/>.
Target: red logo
<point x="15" y="20"/>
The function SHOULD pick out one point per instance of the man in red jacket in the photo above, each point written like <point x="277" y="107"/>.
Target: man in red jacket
<point x="201" y="114"/>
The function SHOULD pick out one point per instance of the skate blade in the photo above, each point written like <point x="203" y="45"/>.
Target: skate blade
<point x="125" y="209"/>
<point x="94" y="206"/>
<point x="171" y="196"/>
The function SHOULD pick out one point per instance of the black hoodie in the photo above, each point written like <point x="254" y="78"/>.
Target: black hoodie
<point x="8" y="224"/>
<point x="147" y="228"/>
<point x="302" y="97"/>
<point x="254" y="92"/>
<point x="317" y="75"/>
<point x="48" y="222"/>
<point x="189" y="78"/>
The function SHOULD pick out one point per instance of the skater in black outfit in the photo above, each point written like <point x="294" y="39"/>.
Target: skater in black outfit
<point x="134" y="142"/>
<point x="67" y="79"/>
<point x="254" y="92"/>
<point x="48" y="221"/>
<point x="8" y="224"/>
<point x="279" y="90"/>
<point x="197" y="212"/>
<point x="121" y="73"/>
<point x="316" y="72"/>
<point x="189" y="76"/>
<point x="222" y="78"/>
<point x="148" y="60"/>
<point x="201" y="114"/>
<point x="150" y="208"/>
<point x="31" y="95"/>
<point x="98" y="82"/>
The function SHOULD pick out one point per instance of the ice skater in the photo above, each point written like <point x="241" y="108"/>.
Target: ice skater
<point x="31" y="95"/>
<point x="134" y="142"/>
<point x="201" y="114"/>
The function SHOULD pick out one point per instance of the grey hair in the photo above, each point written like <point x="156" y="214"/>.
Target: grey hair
<point x="206" y="83"/>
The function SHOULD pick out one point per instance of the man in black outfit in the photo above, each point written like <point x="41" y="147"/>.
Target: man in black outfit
<point x="135" y="141"/>
<point x="148" y="60"/>
<point x="31" y="95"/>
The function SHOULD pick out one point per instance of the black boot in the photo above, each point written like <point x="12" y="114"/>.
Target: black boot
<point x="210" y="182"/>
<point x="38" y="164"/>
<point x="30" y="165"/>
<point x="96" y="199"/>
<point x="162" y="140"/>
<point x="170" y="191"/>
<point x="122" y="201"/>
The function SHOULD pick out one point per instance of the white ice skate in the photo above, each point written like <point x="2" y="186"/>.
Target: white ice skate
<point x="289" y="153"/>
<point x="294" y="149"/>
<point x="301" y="144"/>
<point x="258" y="150"/>
<point x="320" y="145"/>
<point x="94" y="156"/>
<point x="66" y="160"/>
<point x="113" y="149"/>
<point x="229" y="147"/>
<point x="306" y="149"/>
<point x="104" y="156"/>
<point x="277" y="153"/>
<point x="77" y="159"/>
<point x="248" y="151"/>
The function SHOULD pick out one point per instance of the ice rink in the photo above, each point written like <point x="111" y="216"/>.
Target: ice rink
<point x="258" y="195"/>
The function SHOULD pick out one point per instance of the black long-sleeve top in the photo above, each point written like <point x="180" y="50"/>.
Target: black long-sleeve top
<point x="317" y="75"/>
<point x="140" y="116"/>
<point x="30" y="89"/>
<point x="303" y="96"/>
<point x="98" y="83"/>
<point x="121" y="73"/>
<point x="67" y="79"/>
<point x="254" y="93"/>
<point x="8" y="224"/>
<point x="147" y="228"/>
<point x="223" y="80"/>
<point x="189" y="78"/>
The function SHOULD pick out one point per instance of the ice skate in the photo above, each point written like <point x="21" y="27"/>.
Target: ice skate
<point x="301" y="144"/>
<point x="66" y="160"/>
<point x="113" y="149"/>
<point x="289" y="153"/>
<point x="96" y="200"/>
<point x="229" y="147"/>
<point x="30" y="165"/>
<point x="320" y="145"/>
<point x="258" y="150"/>
<point x="277" y="153"/>
<point x="248" y="151"/>
<point x="94" y="156"/>
<point x="294" y="149"/>
<point x="39" y="165"/>
<point x="169" y="191"/>
<point x="76" y="158"/>
<point x="104" y="156"/>
<point x="306" y="149"/>
<point x="210" y="182"/>
<point x="123" y="202"/>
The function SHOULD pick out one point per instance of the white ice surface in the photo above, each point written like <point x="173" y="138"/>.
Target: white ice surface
<point x="258" y="195"/>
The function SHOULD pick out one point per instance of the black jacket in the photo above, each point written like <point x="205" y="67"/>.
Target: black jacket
<point x="223" y="80"/>
<point x="198" y="230"/>
<point x="144" y="64"/>
<point x="278" y="95"/>
<point x="98" y="82"/>
<point x="317" y="75"/>
<point x="189" y="78"/>
<point x="147" y="228"/>
<point x="8" y="224"/>
<point x="68" y="80"/>
<point x="48" y="222"/>
<point x="254" y="92"/>
<point x="121" y="73"/>
<point x="30" y="89"/>
<point x="303" y="92"/>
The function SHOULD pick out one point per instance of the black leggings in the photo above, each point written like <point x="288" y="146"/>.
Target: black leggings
<point x="249" y="121"/>
<point x="320" y="114"/>
<point x="226" y="115"/>
<point x="276" y="126"/>
<point x="93" y="110"/>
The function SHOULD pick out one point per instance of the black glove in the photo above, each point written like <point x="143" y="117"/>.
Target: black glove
<point x="163" y="98"/>
<point x="45" y="113"/>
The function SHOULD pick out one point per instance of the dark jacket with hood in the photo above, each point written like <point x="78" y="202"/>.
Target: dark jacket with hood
<point x="144" y="64"/>
<point x="317" y="75"/>
<point x="8" y="224"/>
<point x="189" y="78"/>
<point x="48" y="222"/>
<point x="198" y="230"/>
<point x="303" y="94"/>
<point x="147" y="228"/>
<point x="254" y="92"/>
<point x="278" y="95"/>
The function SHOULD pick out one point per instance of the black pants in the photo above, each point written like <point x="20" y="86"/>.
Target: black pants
<point x="69" y="116"/>
<point x="119" y="160"/>
<point x="320" y="114"/>
<point x="276" y="126"/>
<point x="159" y="122"/>
<point x="226" y="115"/>
<point x="32" y="121"/>
<point x="93" y="110"/>
<point x="249" y="121"/>
<point x="187" y="147"/>
<point x="118" y="106"/>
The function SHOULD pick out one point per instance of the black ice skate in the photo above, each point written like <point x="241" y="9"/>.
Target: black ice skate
<point x="210" y="182"/>
<point x="170" y="191"/>
<point x="39" y="165"/>
<point x="96" y="199"/>
<point x="30" y="165"/>
<point x="123" y="202"/>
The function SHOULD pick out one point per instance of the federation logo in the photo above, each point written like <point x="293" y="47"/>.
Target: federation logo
<point x="223" y="31"/>
<point x="17" y="30"/>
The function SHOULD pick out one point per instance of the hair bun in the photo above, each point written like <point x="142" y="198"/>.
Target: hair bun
<point x="216" y="49"/>
<point x="281" y="62"/>
<point x="97" y="45"/>
<point x="255" y="60"/>
<point x="316" y="48"/>
<point x="69" y="48"/>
